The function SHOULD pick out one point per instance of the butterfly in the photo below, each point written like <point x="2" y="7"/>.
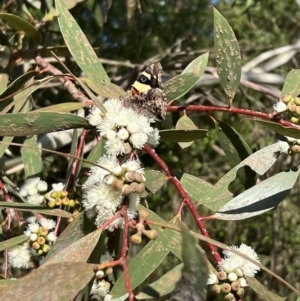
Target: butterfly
<point x="146" y="95"/>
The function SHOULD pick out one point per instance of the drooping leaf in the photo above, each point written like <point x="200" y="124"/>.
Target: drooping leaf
<point x="262" y="290"/>
<point x="154" y="180"/>
<point x="278" y="128"/>
<point x="181" y="84"/>
<point x="228" y="56"/>
<point x="82" y="51"/>
<point x="194" y="275"/>
<point x="164" y="285"/>
<point x="236" y="150"/>
<point x="78" y="251"/>
<point x="34" y="123"/>
<point x="260" y="198"/>
<point x="69" y="277"/>
<point x="31" y="157"/>
<point x="18" y="23"/>
<point x="182" y="135"/>
<point x="185" y="123"/>
<point x="292" y="83"/>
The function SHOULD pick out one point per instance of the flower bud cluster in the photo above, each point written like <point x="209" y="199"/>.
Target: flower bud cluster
<point x="292" y="106"/>
<point x="137" y="237"/>
<point x="129" y="179"/>
<point x="40" y="236"/>
<point x="100" y="290"/>
<point x="228" y="284"/>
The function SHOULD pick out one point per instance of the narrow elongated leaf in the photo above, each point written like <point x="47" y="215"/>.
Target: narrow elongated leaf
<point x="82" y="51"/>
<point x="260" y="162"/>
<point x="155" y="180"/>
<point x="182" y="135"/>
<point x="292" y="83"/>
<point x="36" y="208"/>
<point x="18" y="23"/>
<point x="262" y="291"/>
<point x="181" y="84"/>
<point x="12" y="242"/>
<point x="142" y="266"/>
<point x="31" y="156"/>
<point x="72" y="233"/>
<point x="164" y="285"/>
<point x="69" y="277"/>
<point x="38" y="122"/>
<point x="278" y="128"/>
<point x="62" y="107"/>
<point x="236" y="150"/>
<point x="192" y="285"/>
<point x="185" y="123"/>
<point x="228" y="57"/>
<point x="260" y="198"/>
<point x="79" y="251"/>
<point x="3" y="82"/>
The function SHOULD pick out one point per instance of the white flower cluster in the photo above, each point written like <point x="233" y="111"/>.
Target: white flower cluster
<point x="100" y="290"/>
<point x="103" y="192"/>
<point x="123" y="128"/>
<point x="31" y="190"/>
<point x="19" y="256"/>
<point x="280" y="106"/>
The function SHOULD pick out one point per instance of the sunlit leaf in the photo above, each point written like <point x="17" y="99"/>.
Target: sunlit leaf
<point x="260" y="198"/>
<point x="62" y="107"/>
<point x="181" y="84"/>
<point x="154" y="180"/>
<point x="292" y="83"/>
<point x="31" y="157"/>
<point x="228" y="57"/>
<point x="69" y="277"/>
<point x="34" y="123"/>
<point x="185" y="123"/>
<point x="3" y="82"/>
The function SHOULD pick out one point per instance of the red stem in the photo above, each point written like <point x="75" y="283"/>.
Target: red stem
<point x="185" y="199"/>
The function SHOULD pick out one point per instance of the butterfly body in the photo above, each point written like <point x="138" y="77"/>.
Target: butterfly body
<point x="147" y="95"/>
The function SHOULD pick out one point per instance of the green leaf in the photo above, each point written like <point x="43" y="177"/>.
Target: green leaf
<point x="31" y="156"/>
<point x="185" y="123"/>
<point x="36" y="208"/>
<point x="236" y="150"/>
<point x="164" y="285"/>
<point x="18" y="23"/>
<point x="72" y="233"/>
<point x="155" y="180"/>
<point x="181" y="84"/>
<point x="78" y="251"/>
<point x="62" y="107"/>
<point x="228" y="57"/>
<point x="82" y="51"/>
<point x="292" y="83"/>
<point x="60" y="282"/>
<point x="182" y="135"/>
<point x="141" y="266"/>
<point x="34" y="123"/>
<point x="3" y="82"/>
<point x="12" y="242"/>
<point x="262" y="291"/>
<point x="278" y="128"/>
<point x="195" y="187"/>
<point x="192" y="284"/>
<point x="260" y="198"/>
